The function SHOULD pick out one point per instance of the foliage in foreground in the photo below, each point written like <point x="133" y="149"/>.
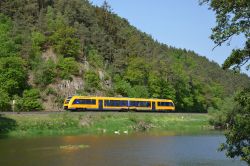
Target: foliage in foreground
<point x="238" y="134"/>
<point x="232" y="19"/>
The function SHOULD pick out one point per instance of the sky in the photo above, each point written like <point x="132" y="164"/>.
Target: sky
<point x="177" y="23"/>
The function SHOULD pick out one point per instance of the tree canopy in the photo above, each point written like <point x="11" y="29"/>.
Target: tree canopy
<point x="233" y="18"/>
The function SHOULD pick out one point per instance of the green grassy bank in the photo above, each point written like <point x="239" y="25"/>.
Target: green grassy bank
<point x="101" y="123"/>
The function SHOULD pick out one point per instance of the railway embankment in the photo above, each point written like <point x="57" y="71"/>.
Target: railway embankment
<point x="97" y="123"/>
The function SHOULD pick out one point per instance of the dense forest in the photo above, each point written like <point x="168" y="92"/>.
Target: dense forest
<point x="50" y="49"/>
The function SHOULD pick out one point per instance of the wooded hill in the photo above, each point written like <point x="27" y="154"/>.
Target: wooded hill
<point x="50" y="49"/>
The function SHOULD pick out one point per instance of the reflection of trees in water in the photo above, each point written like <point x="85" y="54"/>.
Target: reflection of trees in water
<point x="6" y="124"/>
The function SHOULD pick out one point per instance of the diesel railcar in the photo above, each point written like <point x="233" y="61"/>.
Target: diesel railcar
<point x="81" y="103"/>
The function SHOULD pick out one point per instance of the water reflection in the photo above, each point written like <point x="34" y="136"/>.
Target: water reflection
<point x="132" y="150"/>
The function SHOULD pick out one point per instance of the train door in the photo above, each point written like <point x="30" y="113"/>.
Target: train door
<point x="100" y="104"/>
<point x="153" y="106"/>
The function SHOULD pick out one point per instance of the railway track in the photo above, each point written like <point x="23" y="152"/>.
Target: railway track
<point x="89" y="112"/>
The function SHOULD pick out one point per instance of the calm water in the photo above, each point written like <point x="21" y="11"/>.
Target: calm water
<point x="132" y="150"/>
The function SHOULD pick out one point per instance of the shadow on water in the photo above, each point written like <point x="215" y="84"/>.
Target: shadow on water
<point x="6" y="125"/>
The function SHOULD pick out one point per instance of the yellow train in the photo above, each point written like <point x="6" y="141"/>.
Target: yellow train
<point x="76" y="103"/>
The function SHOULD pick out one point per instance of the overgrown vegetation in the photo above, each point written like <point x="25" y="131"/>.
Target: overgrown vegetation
<point x="103" y="51"/>
<point x="30" y="101"/>
<point x="102" y="123"/>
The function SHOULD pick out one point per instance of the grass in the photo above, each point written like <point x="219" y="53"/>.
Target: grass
<point x="101" y="123"/>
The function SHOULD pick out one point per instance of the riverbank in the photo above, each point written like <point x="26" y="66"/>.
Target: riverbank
<point x="101" y="123"/>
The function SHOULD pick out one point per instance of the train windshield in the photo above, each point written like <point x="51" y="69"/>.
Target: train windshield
<point x="67" y="100"/>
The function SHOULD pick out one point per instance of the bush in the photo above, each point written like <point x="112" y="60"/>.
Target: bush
<point x="123" y="87"/>
<point x="137" y="71"/>
<point x="38" y="40"/>
<point x="8" y="47"/>
<point x="95" y="59"/>
<point x="219" y="114"/>
<point x="68" y="67"/>
<point x="45" y="74"/>
<point x="13" y="75"/>
<point x="4" y="101"/>
<point x="50" y="91"/>
<point x="66" y="42"/>
<point x="139" y="92"/>
<point x="92" y="80"/>
<point x="31" y="101"/>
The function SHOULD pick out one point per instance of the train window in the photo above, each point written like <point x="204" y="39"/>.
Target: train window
<point x="124" y="103"/>
<point x="85" y="101"/>
<point x="116" y="103"/>
<point x="76" y="101"/>
<point x="93" y="101"/>
<point x="165" y="104"/>
<point x="106" y="102"/>
<point x="133" y="103"/>
<point x="170" y="104"/>
<point x="140" y="104"/>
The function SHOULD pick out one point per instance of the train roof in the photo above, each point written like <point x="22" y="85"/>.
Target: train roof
<point x="120" y="98"/>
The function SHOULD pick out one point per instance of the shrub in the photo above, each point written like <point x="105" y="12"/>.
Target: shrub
<point x="13" y="75"/>
<point x="30" y="101"/>
<point x="123" y="87"/>
<point x="38" y="40"/>
<point x="8" y="47"/>
<point x="50" y="91"/>
<point x="218" y="115"/>
<point x="95" y="59"/>
<point x="139" y="91"/>
<point x="4" y="101"/>
<point x="66" y="42"/>
<point x="45" y="74"/>
<point x="68" y="67"/>
<point x="92" y="80"/>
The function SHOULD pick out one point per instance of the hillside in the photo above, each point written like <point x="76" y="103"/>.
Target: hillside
<point x="50" y="49"/>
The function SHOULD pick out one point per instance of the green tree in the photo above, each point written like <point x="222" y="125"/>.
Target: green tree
<point x="45" y="73"/>
<point x="95" y="59"/>
<point x="66" y="42"/>
<point x="160" y="88"/>
<point x="232" y="19"/>
<point x="4" y="101"/>
<point x="137" y="71"/>
<point x="167" y="90"/>
<point x="68" y="67"/>
<point x="154" y="84"/>
<point x="38" y="40"/>
<point x="219" y="114"/>
<point x="92" y="80"/>
<point x="238" y="134"/>
<point x="31" y="101"/>
<point x="8" y="47"/>
<point x="13" y="75"/>
<point x="139" y="91"/>
<point x="121" y="86"/>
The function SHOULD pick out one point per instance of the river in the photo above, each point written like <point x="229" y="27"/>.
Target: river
<point x="116" y="150"/>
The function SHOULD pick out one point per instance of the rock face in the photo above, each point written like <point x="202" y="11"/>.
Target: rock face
<point x="63" y="89"/>
<point x="55" y="93"/>
<point x="70" y="87"/>
<point x="101" y="75"/>
<point x="50" y="54"/>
